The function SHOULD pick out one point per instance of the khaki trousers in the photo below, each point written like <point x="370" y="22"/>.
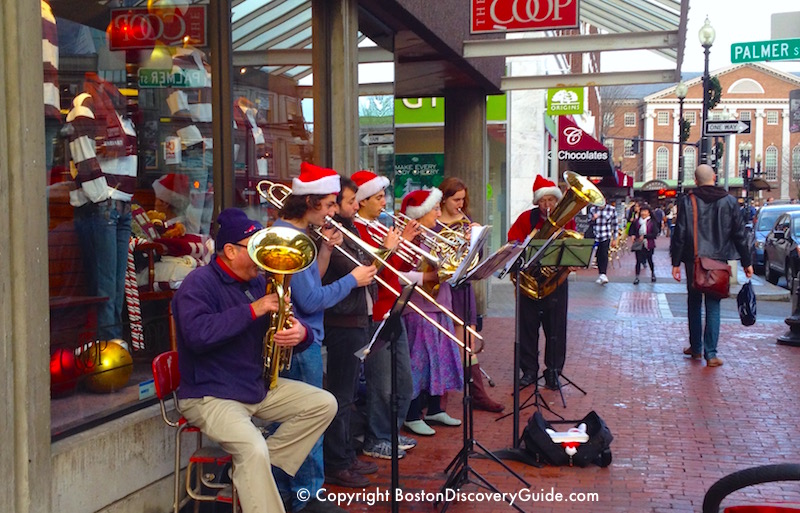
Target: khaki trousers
<point x="304" y="412"/>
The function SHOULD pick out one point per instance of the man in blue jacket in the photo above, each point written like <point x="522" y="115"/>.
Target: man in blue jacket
<point x="313" y="199"/>
<point x="221" y="316"/>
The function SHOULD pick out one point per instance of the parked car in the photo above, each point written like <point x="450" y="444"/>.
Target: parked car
<point x="762" y="224"/>
<point x="781" y="250"/>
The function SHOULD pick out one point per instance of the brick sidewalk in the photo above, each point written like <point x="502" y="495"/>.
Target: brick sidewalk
<point x="678" y="425"/>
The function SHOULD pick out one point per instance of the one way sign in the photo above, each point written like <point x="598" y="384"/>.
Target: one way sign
<point x="726" y="127"/>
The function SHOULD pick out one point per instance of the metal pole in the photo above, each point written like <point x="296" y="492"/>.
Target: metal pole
<point x="727" y="160"/>
<point x="680" y="147"/>
<point x="704" y="150"/>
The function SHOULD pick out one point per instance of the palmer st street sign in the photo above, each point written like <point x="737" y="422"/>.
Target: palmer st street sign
<point x="757" y="51"/>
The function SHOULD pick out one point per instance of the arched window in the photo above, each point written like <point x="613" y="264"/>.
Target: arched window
<point x="746" y="85"/>
<point x="796" y="162"/>
<point x="771" y="164"/>
<point x="662" y="163"/>
<point x="689" y="161"/>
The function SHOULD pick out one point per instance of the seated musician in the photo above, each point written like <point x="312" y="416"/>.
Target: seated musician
<point x="221" y="316"/>
<point x="550" y="312"/>
<point x="435" y="360"/>
<point x="371" y="197"/>
<point x="312" y="200"/>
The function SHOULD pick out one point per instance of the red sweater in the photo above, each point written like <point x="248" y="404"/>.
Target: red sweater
<point x="385" y="298"/>
<point x="522" y="226"/>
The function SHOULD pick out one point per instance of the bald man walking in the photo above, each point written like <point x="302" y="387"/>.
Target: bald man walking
<point x="721" y="236"/>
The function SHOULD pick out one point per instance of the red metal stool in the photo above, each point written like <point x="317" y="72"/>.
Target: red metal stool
<point x="167" y="378"/>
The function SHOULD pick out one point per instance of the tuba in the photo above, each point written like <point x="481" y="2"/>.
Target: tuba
<point x="281" y="251"/>
<point x="542" y="281"/>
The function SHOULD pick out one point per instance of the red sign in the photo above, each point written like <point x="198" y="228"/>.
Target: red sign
<point x="139" y="28"/>
<point x="519" y="15"/>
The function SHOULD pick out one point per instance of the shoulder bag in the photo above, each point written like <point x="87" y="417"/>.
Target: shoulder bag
<point x="710" y="276"/>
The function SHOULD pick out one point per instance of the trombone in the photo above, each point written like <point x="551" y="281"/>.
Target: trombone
<point x="277" y="198"/>
<point x="407" y="250"/>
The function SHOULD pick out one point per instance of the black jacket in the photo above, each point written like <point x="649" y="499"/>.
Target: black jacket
<point x="351" y="312"/>
<point x="720" y="228"/>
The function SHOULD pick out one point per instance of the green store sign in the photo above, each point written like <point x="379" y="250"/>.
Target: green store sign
<point x="565" y="100"/>
<point x="417" y="171"/>
<point x="430" y="111"/>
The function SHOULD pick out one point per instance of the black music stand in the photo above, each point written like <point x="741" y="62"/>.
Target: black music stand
<point x="459" y="469"/>
<point x="561" y="253"/>
<point x="387" y="333"/>
<point x="551" y="251"/>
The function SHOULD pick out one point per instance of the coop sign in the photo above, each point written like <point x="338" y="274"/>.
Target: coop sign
<point x="565" y="100"/>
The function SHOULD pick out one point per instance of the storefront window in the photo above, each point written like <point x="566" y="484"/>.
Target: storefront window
<point x="130" y="194"/>
<point x="272" y="130"/>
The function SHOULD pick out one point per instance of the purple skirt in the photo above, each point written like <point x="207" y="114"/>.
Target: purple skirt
<point x="435" y="359"/>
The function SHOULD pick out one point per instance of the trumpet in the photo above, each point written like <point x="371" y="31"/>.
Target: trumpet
<point x="281" y="251"/>
<point x="276" y="193"/>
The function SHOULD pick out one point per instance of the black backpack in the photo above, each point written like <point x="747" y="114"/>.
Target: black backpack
<point x="538" y="445"/>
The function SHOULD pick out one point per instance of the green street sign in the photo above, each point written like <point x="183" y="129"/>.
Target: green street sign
<point x="757" y="51"/>
<point x="152" y="78"/>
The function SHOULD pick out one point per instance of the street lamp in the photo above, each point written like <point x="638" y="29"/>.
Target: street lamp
<point x="681" y="90"/>
<point x="706" y="36"/>
<point x="758" y="170"/>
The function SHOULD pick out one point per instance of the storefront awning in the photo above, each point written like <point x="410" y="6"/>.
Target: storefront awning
<point x="580" y="152"/>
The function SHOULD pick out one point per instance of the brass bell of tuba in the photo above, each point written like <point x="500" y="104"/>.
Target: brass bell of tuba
<point x="542" y="281"/>
<point x="281" y="251"/>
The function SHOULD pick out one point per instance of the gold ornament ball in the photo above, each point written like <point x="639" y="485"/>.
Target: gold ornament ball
<point x="111" y="369"/>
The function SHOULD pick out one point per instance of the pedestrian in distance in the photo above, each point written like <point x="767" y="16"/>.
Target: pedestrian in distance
<point x="644" y="231"/>
<point x="721" y="236"/>
<point x="604" y="223"/>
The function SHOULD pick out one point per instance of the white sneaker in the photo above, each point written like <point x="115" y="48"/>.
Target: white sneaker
<point x="603" y="279"/>
<point x="599" y="280"/>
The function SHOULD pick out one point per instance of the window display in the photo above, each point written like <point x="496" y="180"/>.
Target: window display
<point x="129" y="152"/>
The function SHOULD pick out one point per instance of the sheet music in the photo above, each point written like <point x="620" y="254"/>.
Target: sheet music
<point x="478" y="238"/>
<point x="364" y="351"/>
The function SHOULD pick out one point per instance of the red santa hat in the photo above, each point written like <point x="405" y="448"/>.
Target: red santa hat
<point x="418" y="203"/>
<point x="173" y="188"/>
<point x="316" y="180"/>
<point x="369" y="184"/>
<point x="543" y="187"/>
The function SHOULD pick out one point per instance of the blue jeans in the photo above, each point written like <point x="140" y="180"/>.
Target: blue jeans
<point x="104" y="230"/>
<point x="306" y="367"/>
<point x="378" y="371"/>
<point x="700" y="339"/>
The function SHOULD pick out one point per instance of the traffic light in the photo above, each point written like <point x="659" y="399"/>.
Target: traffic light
<point x="635" y="146"/>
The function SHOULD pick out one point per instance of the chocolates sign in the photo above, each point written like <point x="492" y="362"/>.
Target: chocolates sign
<point x="140" y="28"/>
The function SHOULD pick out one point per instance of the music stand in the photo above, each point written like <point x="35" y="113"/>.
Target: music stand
<point x="388" y="332"/>
<point x="547" y="252"/>
<point x="459" y="468"/>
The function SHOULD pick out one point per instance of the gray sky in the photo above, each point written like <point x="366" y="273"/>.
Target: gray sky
<point x="735" y="21"/>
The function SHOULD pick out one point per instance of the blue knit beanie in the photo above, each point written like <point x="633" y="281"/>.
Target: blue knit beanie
<point x="234" y="225"/>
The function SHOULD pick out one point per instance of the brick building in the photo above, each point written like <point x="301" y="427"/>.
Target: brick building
<point x="750" y="92"/>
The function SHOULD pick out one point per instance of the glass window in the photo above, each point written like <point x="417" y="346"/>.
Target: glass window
<point x="663" y="117"/>
<point x="662" y="163"/>
<point x="128" y="156"/>
<point x="610" y="145"/>
<point x="630" y="119"/>
<point x="689" y="160"/>
<point x="608" y="119"/>
<point x="796" y="162"/>
<point x="745" y="115"/>
<point x="691" y="117"/>
<point x="771" y="163"/>
<point x="796" y="228"/>
<point x="772" y="117"/>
